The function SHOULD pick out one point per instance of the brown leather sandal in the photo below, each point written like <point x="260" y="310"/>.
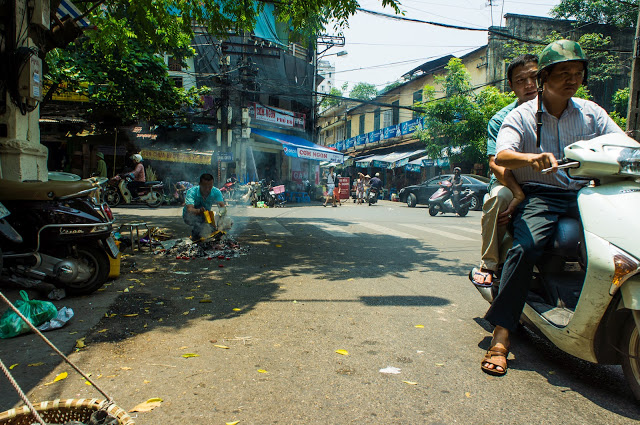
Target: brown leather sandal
<point x="497" y="357"/>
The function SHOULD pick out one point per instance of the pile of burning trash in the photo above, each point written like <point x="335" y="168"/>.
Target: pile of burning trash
<point x="186" y="249"/>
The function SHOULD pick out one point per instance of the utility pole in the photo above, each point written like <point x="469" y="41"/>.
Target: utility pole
<point x="22" y="157"/>
<point x="633" y="113"/>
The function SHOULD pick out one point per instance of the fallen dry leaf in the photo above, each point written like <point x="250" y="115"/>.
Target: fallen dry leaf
<point x="187" y="355"/>
<point x="102" y="331"/>
<point x="61" y="376"/>
<point x="221" y="346"/>
<point x="80" y="343"/>
<point x="237" y="309"/>
<point x="13" y="365"/>
<point x="189" y="298"/>
<point x="35" y="364"/>
<point x="130" y="315"/>
<point x="410" y="382"/>
<point x="125" y="368"/>
<point x="232" y="423"/>
<point x="419" y="326"/>
<point x="147" y="406"/>
<point x="206" y="300"/>
<point x="262" y="371"/>
<point x="467" y="394"/>
<point x="343" y="352"/>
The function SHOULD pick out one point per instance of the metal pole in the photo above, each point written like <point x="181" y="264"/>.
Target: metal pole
<point x="633" y="114"/>
<point x="314" y="96"/>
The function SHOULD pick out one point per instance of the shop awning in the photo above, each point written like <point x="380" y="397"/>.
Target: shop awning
<point x="389" y="161"/>
<point x="298" y="147"/>
<point x="416" y="165"/>
<point x="190" y="157"/>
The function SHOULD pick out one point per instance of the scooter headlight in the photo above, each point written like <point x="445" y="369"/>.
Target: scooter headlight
<point x="628" y="158"/>
<point x="625" y="266"/>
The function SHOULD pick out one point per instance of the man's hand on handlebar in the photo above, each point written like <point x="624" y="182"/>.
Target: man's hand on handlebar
<point x="542" y="161"/>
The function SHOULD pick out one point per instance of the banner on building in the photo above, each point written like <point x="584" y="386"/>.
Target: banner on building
<point x="183" y="157"/>
<point x="276" y="116"/>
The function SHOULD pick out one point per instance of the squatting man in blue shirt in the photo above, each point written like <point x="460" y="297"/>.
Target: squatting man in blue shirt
<point x="562" y="68"/>
<point x="199" y="199"/>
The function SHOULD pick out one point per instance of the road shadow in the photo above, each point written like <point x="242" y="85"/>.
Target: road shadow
<point x="158" y="292"/>
<point x="604" y="385"/>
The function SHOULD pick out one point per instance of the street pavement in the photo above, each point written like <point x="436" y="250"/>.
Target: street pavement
<point x="385" y="283"/>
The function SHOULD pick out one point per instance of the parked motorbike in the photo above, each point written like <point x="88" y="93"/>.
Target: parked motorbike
<point x="585" y="293"/>
<point x="7" y="232"/>
<point x="117" y="191"/>
<point x="229" y="189"/>
<point x="373" y="196"/>
<point x="441" y="201"/>
<point x="66" y="234"/>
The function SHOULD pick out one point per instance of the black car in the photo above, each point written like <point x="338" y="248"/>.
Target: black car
<point x="420" y="193"/>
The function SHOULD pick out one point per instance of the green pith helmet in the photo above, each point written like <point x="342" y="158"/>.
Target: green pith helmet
<point x="561" y="51"/>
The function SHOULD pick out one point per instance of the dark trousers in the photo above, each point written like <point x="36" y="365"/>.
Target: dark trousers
<point x="134" y="187"/>
<point x="534" y="225"/>
<point x="199" y="226"/>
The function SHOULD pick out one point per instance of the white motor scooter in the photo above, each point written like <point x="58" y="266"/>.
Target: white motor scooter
<point x="585" y="292"/>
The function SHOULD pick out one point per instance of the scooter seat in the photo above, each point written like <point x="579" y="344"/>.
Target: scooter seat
<point x="41" y="191"/>
<point x="152" y="183"/>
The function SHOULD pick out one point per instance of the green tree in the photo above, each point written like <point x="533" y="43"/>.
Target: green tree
<point x="622" y="13"/>
<point x="620" y="103"/>
<point x="456" y="125"/>
<point x="122" y="86"/>
<point x="363" y="91"/>
<point x="328" y="102"/>
<point x="390" y="87"/>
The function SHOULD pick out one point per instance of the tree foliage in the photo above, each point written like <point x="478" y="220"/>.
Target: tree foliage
<point x="390" y="87"/>
<point x="621" y="13"/>
<point x="363" y="91"/>
<point x="456" y="125"/>
<point x="603" y="65"/>
<point x="328" y="102"/>
<point x="122" y="87"/>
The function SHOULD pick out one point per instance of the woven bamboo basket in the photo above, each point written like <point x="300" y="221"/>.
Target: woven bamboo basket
<point x="61" y="411"/>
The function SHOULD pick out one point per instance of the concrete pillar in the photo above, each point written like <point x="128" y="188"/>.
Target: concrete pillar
<point x="22" y="157"/>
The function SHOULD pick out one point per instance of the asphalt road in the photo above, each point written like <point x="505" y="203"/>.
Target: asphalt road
<point x="386" y="283"/>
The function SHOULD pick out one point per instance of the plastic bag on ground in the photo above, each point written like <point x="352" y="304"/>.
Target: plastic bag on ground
<point x="37" y="312"/>
<point x="64" y="315"/>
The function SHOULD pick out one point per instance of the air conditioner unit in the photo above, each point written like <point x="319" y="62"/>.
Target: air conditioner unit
<point x="246" y="119"/>
<point x="246" y="133"/>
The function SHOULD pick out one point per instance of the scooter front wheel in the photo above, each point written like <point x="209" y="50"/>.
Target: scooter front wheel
<point x="112" y="197"/>
<point x="433" y="211"/>
<point x="463" y="211"/>
<point x="630" y="347"/>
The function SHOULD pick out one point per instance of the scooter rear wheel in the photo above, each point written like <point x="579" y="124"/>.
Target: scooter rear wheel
<point x="433" y="211"/>
<point x="630" y="346"/>
<point x="94" y="256"/>
<point x="463" y="211"/>
<point x="156" y="200"/>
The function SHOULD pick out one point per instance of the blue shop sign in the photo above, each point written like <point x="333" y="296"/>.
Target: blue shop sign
<point x="361" y="140"/>
<point x="340" y="145"/>
<point x="391" y="131"/>
<point x="375" y="136"/>
<point x="350" y="143"/>
<point x="409" y="127"/>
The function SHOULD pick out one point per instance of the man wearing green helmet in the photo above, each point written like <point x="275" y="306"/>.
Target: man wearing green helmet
<point x="532" y="136"/>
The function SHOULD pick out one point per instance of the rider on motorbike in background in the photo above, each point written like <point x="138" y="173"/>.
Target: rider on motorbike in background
<point x="375" y="183"/>
<point x="456" y="187"/>
<point x="137" y="175"/>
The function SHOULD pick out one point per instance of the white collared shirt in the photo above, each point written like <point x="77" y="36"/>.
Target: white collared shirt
<point x="581" y="120"/>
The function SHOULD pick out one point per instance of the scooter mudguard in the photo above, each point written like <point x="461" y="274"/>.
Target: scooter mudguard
<point x="630" y="292"/>
<point x="7" y="231"/>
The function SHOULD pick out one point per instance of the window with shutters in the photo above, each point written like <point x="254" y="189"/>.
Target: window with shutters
<point x="396" y="112"/>
<point x="174" y="64"/>
<point x="340" y="134"/>
<point x="386" y="118"/>
<point x="348" y="135"/>
<point x="417" y="97"/>
<point x="361" y="124"/>
<point x="376" y="119"/>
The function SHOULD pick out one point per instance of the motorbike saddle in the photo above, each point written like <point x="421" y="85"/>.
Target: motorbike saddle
<point x="42" y="191"/>
<point x="152" y="183"/>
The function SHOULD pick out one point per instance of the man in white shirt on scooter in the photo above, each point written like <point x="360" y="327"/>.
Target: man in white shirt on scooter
<point x="527" y="148"/>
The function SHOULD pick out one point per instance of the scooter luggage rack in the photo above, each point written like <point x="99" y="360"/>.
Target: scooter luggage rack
<point x="57" y="411"/>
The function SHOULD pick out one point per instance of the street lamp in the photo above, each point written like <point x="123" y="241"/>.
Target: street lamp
<point x="341" y="53"/>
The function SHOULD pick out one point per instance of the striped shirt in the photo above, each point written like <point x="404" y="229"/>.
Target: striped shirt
<point x="581" y="120"/>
